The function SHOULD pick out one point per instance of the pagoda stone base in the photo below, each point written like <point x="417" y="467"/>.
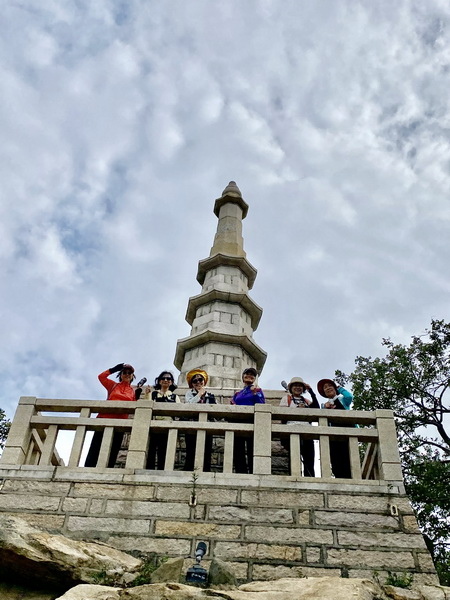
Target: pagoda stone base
<point x="264" y="528"/>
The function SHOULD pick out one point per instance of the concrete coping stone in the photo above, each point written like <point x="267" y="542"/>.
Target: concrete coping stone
<point x="130" y="476"/>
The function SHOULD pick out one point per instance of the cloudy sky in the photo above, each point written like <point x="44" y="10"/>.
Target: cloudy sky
<point x="122" y="121"/>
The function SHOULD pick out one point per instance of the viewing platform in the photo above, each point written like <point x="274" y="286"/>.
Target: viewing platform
<point x="371" y="436"/>
<point x="268" y="524"/>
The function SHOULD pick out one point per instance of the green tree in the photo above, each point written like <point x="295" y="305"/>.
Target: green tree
<point x="4" y="428"/>
<point x="413" y="380"/>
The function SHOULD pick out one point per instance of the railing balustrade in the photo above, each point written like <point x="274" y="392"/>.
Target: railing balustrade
<point x="371" y="436"/>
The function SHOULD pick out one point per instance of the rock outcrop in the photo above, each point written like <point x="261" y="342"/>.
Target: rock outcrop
<point x="312" y="588"/>
<point x="30" y="556"/>
<point x="40" y="566"/>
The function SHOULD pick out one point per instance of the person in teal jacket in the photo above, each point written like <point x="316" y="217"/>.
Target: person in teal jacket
<point x="338" y="398"/>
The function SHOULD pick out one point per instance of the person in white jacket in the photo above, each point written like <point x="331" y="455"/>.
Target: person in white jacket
<point x="198" y="394"/>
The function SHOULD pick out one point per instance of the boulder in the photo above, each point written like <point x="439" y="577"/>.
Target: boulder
<point x="29" y="555"/>
<point x="220" y="574"/>
<point x="91" y="592"/>
<point x="434" y="592"/>
<point x="164" y="591"/>
<point x="169" y="571"/>
<point x="310" y="588"/>
<point x="397" y="593"/>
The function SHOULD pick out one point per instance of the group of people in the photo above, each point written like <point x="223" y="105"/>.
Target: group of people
<point x="336" y="397"/>
<point x="300" y="396"/>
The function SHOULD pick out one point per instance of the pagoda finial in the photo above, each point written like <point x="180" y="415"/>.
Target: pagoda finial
<point x="230" y="209"/>
<point x="232" y="190"/>
<point x="231" y="195"/>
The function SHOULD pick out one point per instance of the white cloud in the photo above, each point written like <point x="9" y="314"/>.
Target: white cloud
<point x="122" y="122"/>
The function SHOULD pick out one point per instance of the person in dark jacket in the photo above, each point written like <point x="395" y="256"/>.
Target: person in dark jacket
<point x="296" y="399"/>
<point x="250" y="395"/>
<point x="338" y="398"/>
<point x="163" y="392"/>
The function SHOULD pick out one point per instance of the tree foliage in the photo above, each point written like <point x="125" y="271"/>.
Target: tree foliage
<point x="4" y="428"/>
<point x="413" y="380"/>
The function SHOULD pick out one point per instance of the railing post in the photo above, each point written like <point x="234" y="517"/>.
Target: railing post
<point x="171" y="449"/>
<point x="228" y="452"/>
<point x="49" y="445"/>
<point x="105" y="448"/>
<point x="78" y="441"/>
<point x="324" y="446"/>
<point x="294" y="455"/>
<point x="389" y="458"/>
<point x="137" y="450"/>
<point x="19" y="436"/>
<point x="200" y="445"/>
<point x="262" y="440"/>
<point x="355" y="461"/>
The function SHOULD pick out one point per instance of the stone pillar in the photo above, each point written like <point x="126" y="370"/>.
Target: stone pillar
<point x="138" y="448"/>
<point x="389" y="457"/>
<point x="17" y="444"/>
<point x="262" y="440"/>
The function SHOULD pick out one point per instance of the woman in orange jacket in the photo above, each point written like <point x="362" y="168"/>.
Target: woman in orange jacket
<point x="120" y="390"/>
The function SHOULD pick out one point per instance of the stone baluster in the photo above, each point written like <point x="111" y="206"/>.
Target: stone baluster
<point x="228" y="452"/>
<point x="295" y="460"/>
<point x="105" y="448"/>
<point x="200" y="446"/>
<point x="355" y="461"/>
<point x="48" y="447"/>
<point x="324" y="444"/>
<point x="78" y="441"/>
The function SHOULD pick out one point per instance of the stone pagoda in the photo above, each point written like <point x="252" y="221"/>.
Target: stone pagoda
<point x="223" y="316"/>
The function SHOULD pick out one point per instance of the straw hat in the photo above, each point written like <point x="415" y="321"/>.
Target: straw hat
<point x="193" y="373"/>
<point x="296" y="380"/>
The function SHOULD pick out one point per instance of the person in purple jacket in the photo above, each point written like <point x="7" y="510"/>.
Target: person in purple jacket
<point x="248" y="396"/>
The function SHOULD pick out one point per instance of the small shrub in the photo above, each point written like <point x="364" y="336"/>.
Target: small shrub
<point x="148" y="567"/>
<point x="400" y="580"/>
<point x="105" y="578"/>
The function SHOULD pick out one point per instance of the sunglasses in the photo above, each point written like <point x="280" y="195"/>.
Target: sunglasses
<point x="127" y="372"/>
<point x="198" y="380"/>
<point x="166" y="379"/>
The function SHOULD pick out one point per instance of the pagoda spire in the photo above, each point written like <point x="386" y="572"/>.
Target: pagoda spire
<point x="223" y="316"/>
<point x="228" y="239"/>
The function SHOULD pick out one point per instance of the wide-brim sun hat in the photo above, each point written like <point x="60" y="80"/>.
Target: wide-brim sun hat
<point x="321" y="384"/>
<point x="296" y="380"/>
<point x="193" y="373"/>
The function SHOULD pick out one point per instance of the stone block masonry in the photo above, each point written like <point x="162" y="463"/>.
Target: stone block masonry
<point x="276" y="529"/>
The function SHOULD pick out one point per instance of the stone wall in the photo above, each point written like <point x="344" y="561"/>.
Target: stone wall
<point x="263" y="530"/>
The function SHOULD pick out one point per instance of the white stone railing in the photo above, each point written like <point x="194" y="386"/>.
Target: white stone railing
<point x="36" y="426"/>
